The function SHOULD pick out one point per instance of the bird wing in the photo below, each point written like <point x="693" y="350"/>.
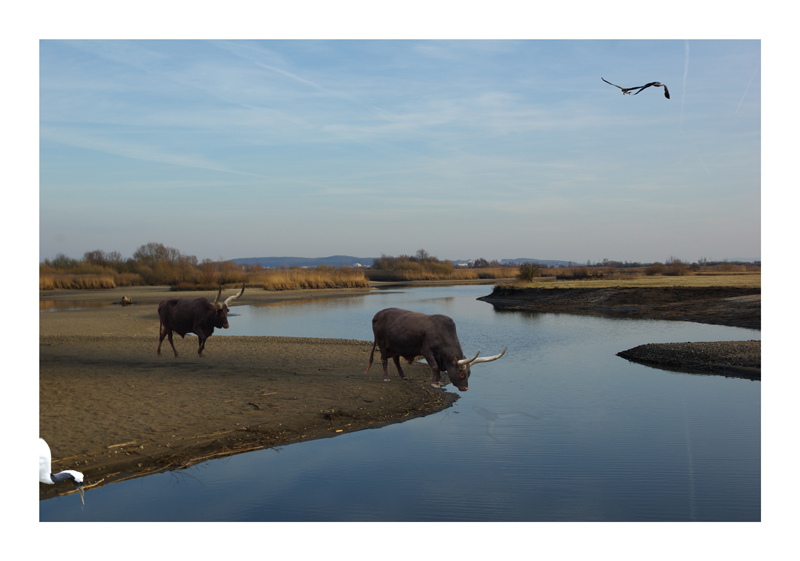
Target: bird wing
<point x="44" y="461"/>
<point x="659" y="84"/>
<point x="607" y="82"/>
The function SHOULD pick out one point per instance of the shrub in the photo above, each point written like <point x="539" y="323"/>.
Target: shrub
<point x="529" y="271"/>
<point x="676" y="268"/>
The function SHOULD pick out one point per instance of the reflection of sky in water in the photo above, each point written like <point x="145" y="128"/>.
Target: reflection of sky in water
<point x="350" y="317"/>
<point x="558" y="429"/>
<point x="68" y="306"/>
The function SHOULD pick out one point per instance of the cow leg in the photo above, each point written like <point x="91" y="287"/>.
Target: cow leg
<point x="385" y="364"/>
<point x="431" y="360"/>
<point x="202" y="346"/>
<point x="168" y="333"/>
<point x="399" y="370"/>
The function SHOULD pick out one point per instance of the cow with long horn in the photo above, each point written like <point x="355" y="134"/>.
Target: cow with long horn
<point x="193" y="316"/>
<point x="402" y="333"/>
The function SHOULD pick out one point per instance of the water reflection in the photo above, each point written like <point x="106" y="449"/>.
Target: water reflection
<point x="335" y="302"/>
<point x="491" y="417"/>
<point x="71" y="305"/>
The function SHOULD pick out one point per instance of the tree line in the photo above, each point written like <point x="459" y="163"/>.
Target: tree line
<point x="157" y="264"/>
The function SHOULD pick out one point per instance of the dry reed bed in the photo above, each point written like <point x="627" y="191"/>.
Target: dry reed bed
<point x="289" y="279"/>
<point x="88" y="281"/>
<point x="273" y="279"/>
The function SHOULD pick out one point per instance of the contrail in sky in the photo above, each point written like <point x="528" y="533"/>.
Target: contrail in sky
<point x="683" y="95"/>
<point x="747" y="88"/>
<point x="685" y="73"/>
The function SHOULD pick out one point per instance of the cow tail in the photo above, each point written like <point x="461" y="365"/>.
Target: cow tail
<point x="371" y="355"/>
<point x="160" y="321"/>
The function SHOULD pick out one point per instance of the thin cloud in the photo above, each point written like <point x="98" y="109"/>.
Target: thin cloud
<point x="755" y="70"/>
<point x="133" y="150"/>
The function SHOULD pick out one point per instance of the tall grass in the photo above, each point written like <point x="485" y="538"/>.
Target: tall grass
<point x="50" y="282"/>
<point x="296" y="278"/>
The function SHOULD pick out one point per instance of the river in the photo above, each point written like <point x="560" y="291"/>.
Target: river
<point x="559" y="429"/>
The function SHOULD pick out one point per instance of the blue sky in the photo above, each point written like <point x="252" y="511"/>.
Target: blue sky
<point x="474" y="148"/>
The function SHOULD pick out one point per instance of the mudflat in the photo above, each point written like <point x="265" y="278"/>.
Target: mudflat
<point x="132" y="412"/>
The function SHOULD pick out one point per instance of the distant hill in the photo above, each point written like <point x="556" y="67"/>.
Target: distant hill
<point x="333" y="261"/>
<point x="548" y="262"/>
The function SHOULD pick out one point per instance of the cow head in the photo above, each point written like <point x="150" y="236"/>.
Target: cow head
<point x="221" y="314"/>
<point x="459" y="369"/>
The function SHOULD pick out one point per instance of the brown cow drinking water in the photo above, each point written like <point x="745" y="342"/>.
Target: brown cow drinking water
<point x="193" y="316"/>
<point x="401" y="333"/>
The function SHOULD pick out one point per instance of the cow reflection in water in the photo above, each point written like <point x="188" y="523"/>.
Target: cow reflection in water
<point x="401" y="333"/>
<point x="491" y="417"/>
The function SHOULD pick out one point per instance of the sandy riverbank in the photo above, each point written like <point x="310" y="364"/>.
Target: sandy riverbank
<point x="132" y="412"/>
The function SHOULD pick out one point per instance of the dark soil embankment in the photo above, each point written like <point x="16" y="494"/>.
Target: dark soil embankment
<point x="732" y="306"/>
<point x="736" y="359"/>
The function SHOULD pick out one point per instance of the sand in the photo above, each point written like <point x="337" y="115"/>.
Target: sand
<point x="131" y="412"/>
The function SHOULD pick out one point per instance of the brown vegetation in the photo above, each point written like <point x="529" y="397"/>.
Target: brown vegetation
<point x="156" y="265"/>
<point x="423" y="266"/>
<point x="319" y="277"/>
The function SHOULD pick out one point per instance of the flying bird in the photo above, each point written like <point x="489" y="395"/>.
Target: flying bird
<point x="640" y="88"/>
<point x="51" y="478"/>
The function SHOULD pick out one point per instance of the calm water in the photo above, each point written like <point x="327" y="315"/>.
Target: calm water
<point x="559" y="429"/>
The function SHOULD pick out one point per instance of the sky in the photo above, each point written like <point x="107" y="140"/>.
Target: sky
<point x="498" y="149"/>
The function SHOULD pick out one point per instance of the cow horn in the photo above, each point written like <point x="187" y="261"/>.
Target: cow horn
<point x="464" y="361"/>
<point x="216" y="300"/>
<point x="488" y="358"/>
<point x="235" y="296"/>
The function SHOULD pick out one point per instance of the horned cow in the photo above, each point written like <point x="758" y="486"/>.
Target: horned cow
<point x="198" y="316"/>
<point x="406" y="334"/>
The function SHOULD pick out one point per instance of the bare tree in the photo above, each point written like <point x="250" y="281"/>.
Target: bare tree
<point x="422" y="255"/>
